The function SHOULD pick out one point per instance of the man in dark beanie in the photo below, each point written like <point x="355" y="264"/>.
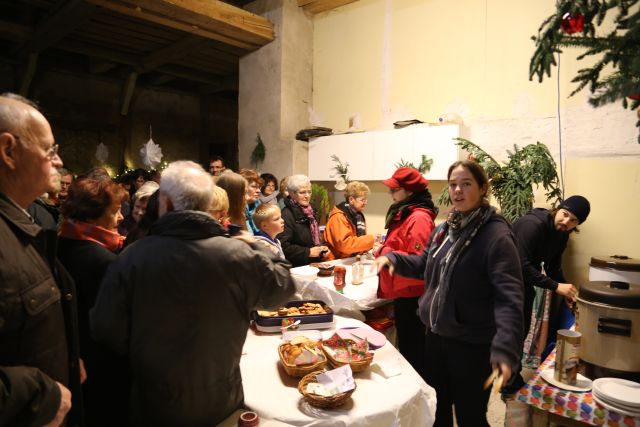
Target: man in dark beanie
<point x="542" y="237"/>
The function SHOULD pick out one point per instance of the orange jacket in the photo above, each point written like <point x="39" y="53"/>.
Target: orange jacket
<point x="340" y="235"/>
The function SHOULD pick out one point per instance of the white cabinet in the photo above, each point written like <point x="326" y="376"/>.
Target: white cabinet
<point x="372" y="155"/>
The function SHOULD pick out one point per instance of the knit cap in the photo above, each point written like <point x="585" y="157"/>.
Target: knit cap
<point x="577" y="205"/>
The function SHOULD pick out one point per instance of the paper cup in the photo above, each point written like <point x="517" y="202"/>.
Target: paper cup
<point x="567" y="360"/>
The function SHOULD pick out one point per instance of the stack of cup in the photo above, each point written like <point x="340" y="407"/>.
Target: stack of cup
<point x="567" y="360"/>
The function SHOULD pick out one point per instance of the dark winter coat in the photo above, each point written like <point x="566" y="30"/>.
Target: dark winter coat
<point x="38" y="323"/>
<point x="178" y="303"/>
<point x="485" y="299"/>
<point x="106" y="389"/>
<point x="296" y="238"/>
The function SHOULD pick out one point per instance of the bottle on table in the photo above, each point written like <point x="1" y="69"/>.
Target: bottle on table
<point x="339" y="275"/>
<point x="357" y="272"/>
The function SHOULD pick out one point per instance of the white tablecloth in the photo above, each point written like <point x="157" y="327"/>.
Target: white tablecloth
<point x="354" y="297"/>
<point x="402" y="400"/>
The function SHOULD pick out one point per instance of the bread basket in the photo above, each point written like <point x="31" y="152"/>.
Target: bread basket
<point x="356" y="365"/>
<point x="325" y="402"/>
<point x="300" y="370"/>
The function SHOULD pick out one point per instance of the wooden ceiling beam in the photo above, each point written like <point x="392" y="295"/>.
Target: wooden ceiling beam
<point x="160" y="79"/>
<point x="211" y="19"/>
<point x="132" y="60"/>
<point x="172" y="52"/>
<point x="61" y="23"/>
<point x="100" y="67"/>
<point x="127" y="92"/>
<point x="30" y="71"/>
<point x="15" y="32"/>
<point x="226" y="83"/>
<point x="318" y="6"/>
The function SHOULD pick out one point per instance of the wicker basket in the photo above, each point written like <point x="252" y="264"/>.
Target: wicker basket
<point x="326" y="402"/>
<point x="300" y="371"/>
<point x="356" y="366"/>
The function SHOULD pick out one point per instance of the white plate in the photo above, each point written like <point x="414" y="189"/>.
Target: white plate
<point x="582" y="384"/>
<point x="613" y="408"/>
<point x="617" y="405"/>
<point x="617" y="390"/>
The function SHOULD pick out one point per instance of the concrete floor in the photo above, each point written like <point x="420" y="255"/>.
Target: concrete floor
<point x="496" y="411"/>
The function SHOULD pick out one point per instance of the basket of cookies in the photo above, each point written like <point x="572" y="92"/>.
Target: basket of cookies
<point x="341" y="351"/>
<point x="301" y="356"/>
<point x="305" y="387"/>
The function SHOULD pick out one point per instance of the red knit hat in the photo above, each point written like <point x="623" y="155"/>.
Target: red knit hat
<point x="408" y="178"/>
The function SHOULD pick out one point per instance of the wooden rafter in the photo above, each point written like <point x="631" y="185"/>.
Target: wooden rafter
<point x="61" y="23"/>
<point x="206" y="18"/>
<point x="30" y="71"/>
<point x="317" y="6"/>
<point x="132" y="60"/>
<point x="172" y="52"/>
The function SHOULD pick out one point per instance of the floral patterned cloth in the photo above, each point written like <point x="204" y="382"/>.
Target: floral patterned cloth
<point x="577" y="406"/>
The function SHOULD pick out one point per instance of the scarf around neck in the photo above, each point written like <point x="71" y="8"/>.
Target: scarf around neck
<point x="405" y="207"/>
<point x="460" y="230"/>
<point x="313" y="224"/>
<point x="79" y="230"/>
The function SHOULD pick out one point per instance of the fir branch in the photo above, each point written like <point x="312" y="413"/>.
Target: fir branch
<point x="259" y="152"/>
<point x="424" y="167"/>
<point x="513" y="182"/>
<point x="619" y="49"/>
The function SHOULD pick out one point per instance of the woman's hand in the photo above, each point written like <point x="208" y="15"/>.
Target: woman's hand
<point x="316" y="251"/>
<point x="382" y="262"/>
<point x="505" y="371"/>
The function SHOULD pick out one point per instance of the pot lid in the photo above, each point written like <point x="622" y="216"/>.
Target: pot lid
<point x="616" y="262"/>
<point x="618" y="294"/>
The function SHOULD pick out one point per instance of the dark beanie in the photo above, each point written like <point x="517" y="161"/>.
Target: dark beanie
<point x="577" y="205"/>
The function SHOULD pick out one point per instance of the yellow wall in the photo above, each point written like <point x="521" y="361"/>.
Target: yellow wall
<point x="388" y="60"/>
<point x="613" y="227"/>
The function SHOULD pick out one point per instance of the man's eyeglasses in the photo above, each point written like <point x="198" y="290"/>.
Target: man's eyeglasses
<point x="52" y="151"/>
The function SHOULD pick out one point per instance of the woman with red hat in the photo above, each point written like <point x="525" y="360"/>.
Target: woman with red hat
<point x="409" y="224"/>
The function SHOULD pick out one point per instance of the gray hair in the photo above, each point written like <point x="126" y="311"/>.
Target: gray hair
<point x="187" y="185"/>
<point x="146" y="190"/>
<point x="296" y="182"/>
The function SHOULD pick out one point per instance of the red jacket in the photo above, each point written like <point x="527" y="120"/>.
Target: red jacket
<point x="408" y="236"/>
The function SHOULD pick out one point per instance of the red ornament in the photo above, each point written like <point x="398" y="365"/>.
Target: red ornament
<point x="635" y="96"/>
<point x="572" y="24"/>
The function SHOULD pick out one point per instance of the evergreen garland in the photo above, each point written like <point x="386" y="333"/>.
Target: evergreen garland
<point x="424" y="167"/>
<point x="259" y="152"/>
<point x="619" y="50"/>
<point x="513" y="182"/>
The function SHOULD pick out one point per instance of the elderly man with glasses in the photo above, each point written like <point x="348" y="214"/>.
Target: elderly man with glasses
<point x="38" y="332"/>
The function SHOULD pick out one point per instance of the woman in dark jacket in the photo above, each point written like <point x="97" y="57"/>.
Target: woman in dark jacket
<point x="472" y="307"/>
<point x="88" y="244"/>
<point x="301" y="236"/>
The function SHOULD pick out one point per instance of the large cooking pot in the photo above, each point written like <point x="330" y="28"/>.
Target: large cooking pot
<point x="615" y="267"/>
<point x="609" y="320"/>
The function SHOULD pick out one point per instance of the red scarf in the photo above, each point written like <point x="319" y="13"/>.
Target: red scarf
<point x="78" y="230"/>
<point x="313" y="224"/>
